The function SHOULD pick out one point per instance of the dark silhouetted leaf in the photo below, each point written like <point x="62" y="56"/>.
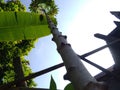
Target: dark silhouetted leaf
<point x="53" y="84"/>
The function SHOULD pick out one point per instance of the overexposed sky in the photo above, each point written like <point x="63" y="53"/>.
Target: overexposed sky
<point x="79" y="20"/>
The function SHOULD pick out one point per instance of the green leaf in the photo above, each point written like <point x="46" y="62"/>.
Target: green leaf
<point x="22" y="25"/>
<point x="69" y="87"/>
<point x="53" y="84"/>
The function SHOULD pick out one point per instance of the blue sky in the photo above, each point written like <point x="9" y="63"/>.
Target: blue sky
<point x="79" y="20"/>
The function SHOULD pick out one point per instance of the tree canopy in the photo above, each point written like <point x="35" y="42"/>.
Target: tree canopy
<point x="48" y="5"/>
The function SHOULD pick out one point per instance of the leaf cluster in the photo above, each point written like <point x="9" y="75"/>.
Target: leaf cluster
<point x="12" y="49"/>
<point x="53" y="85"/>
<point x="12" y="5"/>
<point x="22" y="25"/>
<point x="48" y="5"/>
<point x="9" y="51"/>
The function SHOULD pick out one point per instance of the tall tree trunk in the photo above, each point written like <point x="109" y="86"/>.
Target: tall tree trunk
<point x="76" y="71"/>
<point x="18" y="72"/>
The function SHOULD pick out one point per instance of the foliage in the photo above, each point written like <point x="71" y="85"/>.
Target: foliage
<point x="1" y="1"/>
<point x="49" y="6"/>
<point x="22" y="25"/>
<point x="52" y="84"/>
<point x="25" y="64"/>
<point x="69" y="87"/>
<point x="15" y="5"/>
<point x="12" y="49"/>
<point x="11" y="24"/>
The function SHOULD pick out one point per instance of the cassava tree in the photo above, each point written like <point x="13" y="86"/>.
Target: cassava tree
<point x="77" y="73"/>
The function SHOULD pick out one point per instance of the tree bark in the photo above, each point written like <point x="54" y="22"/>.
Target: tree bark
<point x="76" y="71"/>
<point x="18" y="72"/>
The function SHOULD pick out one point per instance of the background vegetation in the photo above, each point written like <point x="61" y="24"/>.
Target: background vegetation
<point x="10" y="50"/>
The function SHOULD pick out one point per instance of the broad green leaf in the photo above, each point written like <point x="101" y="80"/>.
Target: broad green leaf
<point x="69" y="87"/>
<point x="53" y="84"/>
<point x="22" y="25"/>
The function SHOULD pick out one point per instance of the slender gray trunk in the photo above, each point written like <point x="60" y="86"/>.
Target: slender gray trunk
<point x="76" y="71"/>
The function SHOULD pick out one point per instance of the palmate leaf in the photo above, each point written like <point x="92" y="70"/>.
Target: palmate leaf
<point x="22" y="25"/>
